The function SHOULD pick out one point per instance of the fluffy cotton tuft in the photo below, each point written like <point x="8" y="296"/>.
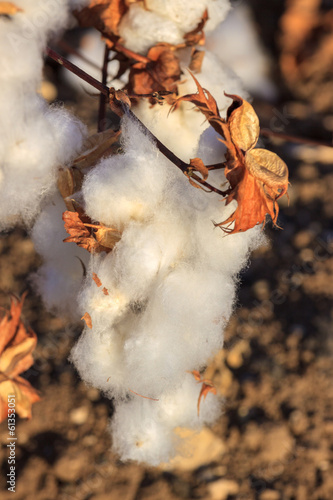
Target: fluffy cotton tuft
<point x="167" y="21"/>
<point x="35" y="139"/>
<point x="171" y="283"/>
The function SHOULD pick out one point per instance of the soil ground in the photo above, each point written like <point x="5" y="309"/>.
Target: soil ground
<point x="274" y="440"/>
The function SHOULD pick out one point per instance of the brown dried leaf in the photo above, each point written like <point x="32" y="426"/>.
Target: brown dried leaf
<point x="107" y="236"/>
<point x="9" y="9"/>
<point x="104" y="15"/>
<point x="243" y="123"/>
<point x="119" y="101"/>
<point x="207" y="386"/>
<point x="16" y="346"/>
<point x="78" y="226"/>
<point x="98" y="146"/>
<point x="69" y="182"/>
<point x="197" y="58"/>
<point x="95" y="238"/>
<point x="197" y="36"/>
<point x="199" y="166"/>
<point x="160" y="72"/>
<point x="268" y="168"/>
<point x="256" y="187"/>
<point x="87" y="318"/>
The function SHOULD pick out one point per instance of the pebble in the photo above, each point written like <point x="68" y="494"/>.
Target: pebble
<point x="205" y="447"/>
<point x="298" y="422"/>
<point x="79" y="415"/>
<point x="235" y="357"/>
<point x="270" y="495"/>
<point x="69" y="469"/>
<point x="221" y="489"/>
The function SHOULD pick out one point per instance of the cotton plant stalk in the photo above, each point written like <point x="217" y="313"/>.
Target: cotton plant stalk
<point x="160" y="270"/>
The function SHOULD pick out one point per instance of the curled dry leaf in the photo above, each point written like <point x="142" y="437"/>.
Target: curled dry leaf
<point x="16" y="346"/>
<point x="9" y="9"/>
<point x="197" y="58"/>
<point x="243" y="123"/>
<point x="69" y="182"/>
<point x="160" y="71"/>
<point x="207" y="386"/>
<point x="119" y="101"/>
<point x="95" y="238"/>
<point x="197" y="36"/>
<point x="104" y="15"/>
<point x="97" y="147"/>
<point x="257" y="177"/>
<point x="198" y="165"/>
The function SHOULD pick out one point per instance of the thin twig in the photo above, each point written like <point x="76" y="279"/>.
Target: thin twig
<point x="65" y="46"/>
<point x="292" y="138"/>
<point x="77" y="71"/>
<point x="103" y="98"/>
<point x="186" y="168"/>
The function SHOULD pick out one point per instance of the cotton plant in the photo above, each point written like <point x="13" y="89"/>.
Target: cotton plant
<point x="133" y="245"/>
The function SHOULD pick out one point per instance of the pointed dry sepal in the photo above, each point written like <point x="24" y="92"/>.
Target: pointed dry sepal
<point x="9" y="9"/>
<point x="16" y="346"/>
<point x="257" y="177"/>
<point x="243" y="123"/>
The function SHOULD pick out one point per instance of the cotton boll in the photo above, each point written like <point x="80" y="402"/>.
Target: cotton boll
<point x="179" y="131"/>
<point x="35" y="140"/>
<point x="31" y="153"/>
<point x="217" y="12"/>
<point x="59" y="279"/>
<point x="179" y="329"/>
<point x="39" y="20"/>
<point x="127" y="187"/>
<point x="187" y="15"/>
<point x="143" y="429"/>
<point x="138" y="434"/>
<point x="142" y="29"/>
<point x="98" y="357"/>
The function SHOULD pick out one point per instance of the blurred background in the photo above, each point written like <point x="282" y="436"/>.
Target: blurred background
<point x="274" y="440"/>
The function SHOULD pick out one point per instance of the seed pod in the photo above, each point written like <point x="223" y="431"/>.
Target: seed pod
<point x="268" y="167"/>
<point x="243" y="124"/>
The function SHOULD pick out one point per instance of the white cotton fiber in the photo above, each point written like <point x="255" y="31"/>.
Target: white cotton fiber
<point x="144" y="430"/>
<point x="35" y="139"/>
<point x="126" y="187"/>
<point x="60" y="277"/>
<point x="236" y="43"/>
<point x="167" y="21"/>
<point x="170" y="284"/>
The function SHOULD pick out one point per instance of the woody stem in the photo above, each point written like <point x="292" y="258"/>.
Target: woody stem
<point x="186" y="168"/>
<point x="103" y="97"/>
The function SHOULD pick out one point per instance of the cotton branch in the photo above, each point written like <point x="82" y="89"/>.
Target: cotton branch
<point x="186" y="168"/>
